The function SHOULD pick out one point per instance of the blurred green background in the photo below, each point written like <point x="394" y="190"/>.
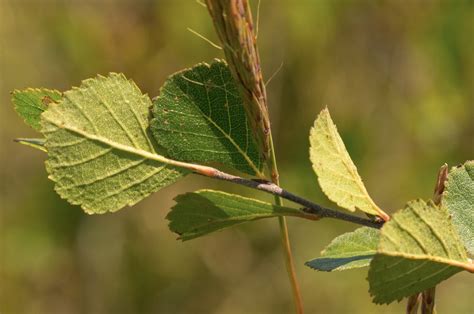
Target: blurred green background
<point x="397" y="76"/>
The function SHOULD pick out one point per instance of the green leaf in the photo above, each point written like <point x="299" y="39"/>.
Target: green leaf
<point x="205" y="211"/>
<point x="350" y="250"/>
<point x="459" y="200"/>
<point x="199" y="117"/>
<point x="418" y="248"/>
<point x="337" y="174"/>
<point x="100" y="154"/>
<point x="37" y="143"/>
<point x="30" y="104"/>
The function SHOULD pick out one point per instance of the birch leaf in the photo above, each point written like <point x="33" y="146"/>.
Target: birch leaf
<point x="99" y="152"/>
<point x="30" y="104"/>
<point x="459" y="200"/>
<point x="337" y="174"/>
<point x="199" y="117"/>
<point x="350" y="250"/>
<point x="418" y="249"/>
<point x="205" y="211"/>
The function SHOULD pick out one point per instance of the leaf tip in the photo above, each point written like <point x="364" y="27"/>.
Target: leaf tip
<point x="308" y="264"/>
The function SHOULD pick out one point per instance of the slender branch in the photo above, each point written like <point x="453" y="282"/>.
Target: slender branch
<point x="309" y="207"/>
<point x="234" y="25"/>
<point x="285" y="237"/>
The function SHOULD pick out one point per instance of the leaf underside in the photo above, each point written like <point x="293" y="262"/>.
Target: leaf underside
<point x="458" y="198"/>
<point x="418" y="248"/>
<point x="199" y="117"/>
<point x="350" y="250"/>
<point x="337" y="174"/>
<point x="100" y="154"/>
<point x="32" y="102"/>
<point x="205" y="211"/>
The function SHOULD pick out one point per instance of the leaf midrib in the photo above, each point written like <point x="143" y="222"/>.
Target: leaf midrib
<point x="119" y="146"/>
<point x="244" y="154"/>
<point x="465" y="265"/>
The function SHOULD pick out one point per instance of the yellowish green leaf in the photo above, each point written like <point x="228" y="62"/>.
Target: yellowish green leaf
<point x="337" y="174"/>
<point x="100" y="154"/>
<point x="419" y="247"/>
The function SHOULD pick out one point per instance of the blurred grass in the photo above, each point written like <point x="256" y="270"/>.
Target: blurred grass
<point x="398" y="77"/>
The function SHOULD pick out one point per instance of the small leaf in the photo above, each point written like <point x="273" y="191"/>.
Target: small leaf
<point x="350" y="250"/>
<point x="199" y="117"/>
<point x="205" y="211"/>
<point x="459" y="200"/>
<point x="37" y="143"/>
<point x="337" y="174"/>
<point x="30" y="104"/>
<point x="99" y="151"/>
<point x="418" y="248"/>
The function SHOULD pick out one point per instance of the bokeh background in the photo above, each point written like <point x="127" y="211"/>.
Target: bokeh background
<point x="397" y="76"/>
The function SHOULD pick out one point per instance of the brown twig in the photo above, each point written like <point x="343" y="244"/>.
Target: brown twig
<point x="309" y="207"/>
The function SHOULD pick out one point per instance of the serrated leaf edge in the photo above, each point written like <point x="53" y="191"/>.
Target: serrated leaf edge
<point x="351" y="168"/>
<point x="30" y="89"/>
<point x="112" y="144"/>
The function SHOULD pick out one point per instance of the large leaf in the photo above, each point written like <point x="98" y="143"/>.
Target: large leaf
<point x="350" y="250"/>
<point x="459" y="200"/>
<point x="199" y="117"/>
<point x="205" y="211"/>
<point x="30" y="104"/>
<point x="337" y="174"/>
<point x="418" y="248"/>
<point x="100" y="154"/>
